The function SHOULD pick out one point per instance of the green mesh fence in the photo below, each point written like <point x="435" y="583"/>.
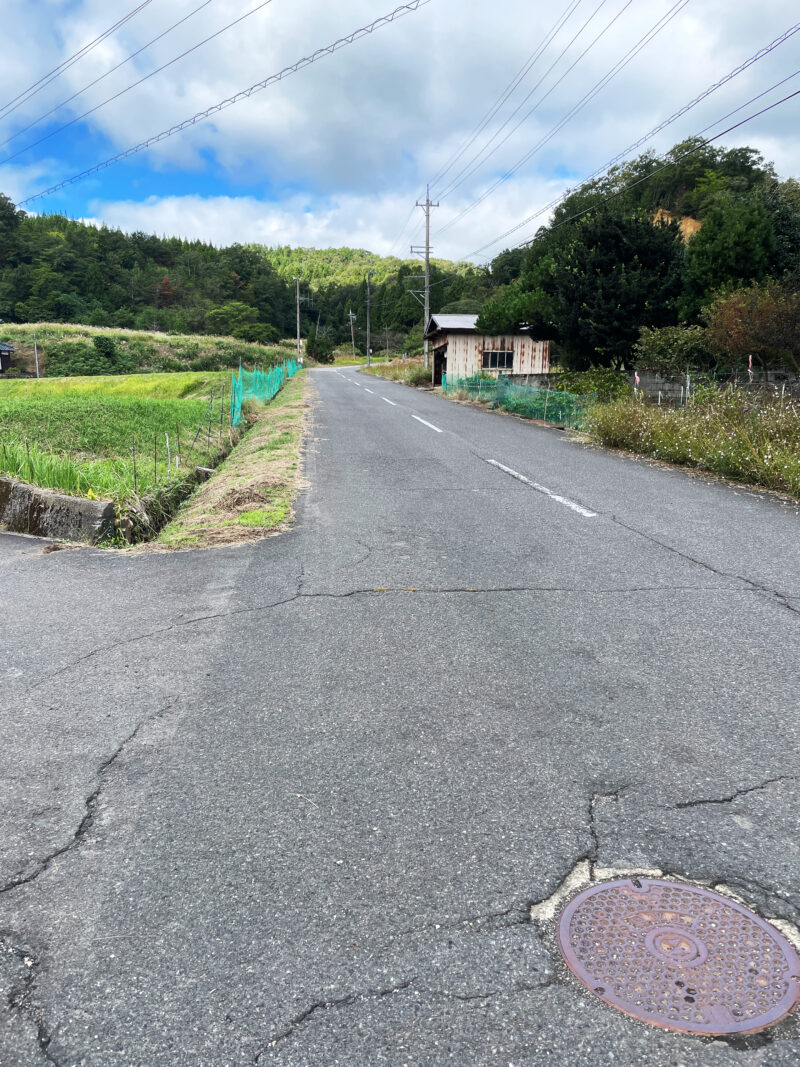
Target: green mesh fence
<point x="547" y="405"/>
<point x="258" y="385"/>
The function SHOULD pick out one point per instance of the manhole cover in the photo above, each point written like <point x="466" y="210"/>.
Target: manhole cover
<point x="680" y="957"/>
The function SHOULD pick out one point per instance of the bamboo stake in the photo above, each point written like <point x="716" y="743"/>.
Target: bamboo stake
<point x="135" y="479"/>
<point x="155" y="459"/>
<point x="169" y="456"/>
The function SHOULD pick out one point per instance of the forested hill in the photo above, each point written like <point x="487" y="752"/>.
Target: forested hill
<point x="319" y="267"/>
<point x="57" y="270"/>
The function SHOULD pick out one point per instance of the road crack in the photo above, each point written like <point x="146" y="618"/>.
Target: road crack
<point x="91" y="804"/>
<point x="20" y="997"/>
<point x="739" y="793"/>
<point x="325" y="1005"/>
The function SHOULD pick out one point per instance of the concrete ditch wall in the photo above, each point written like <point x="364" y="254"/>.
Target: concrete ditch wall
<point x="44" y="513"/>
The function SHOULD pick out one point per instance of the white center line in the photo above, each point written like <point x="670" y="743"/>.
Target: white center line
<point x="368" y="390"/>
<point x="547" y="492"/>
<point x="389" y="401"/>
<point x="428" y="424"/>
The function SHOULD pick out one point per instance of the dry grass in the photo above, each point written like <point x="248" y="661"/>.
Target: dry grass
<point x="251" y="495"/>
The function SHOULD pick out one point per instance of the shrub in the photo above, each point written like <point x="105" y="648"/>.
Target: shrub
<point x="673" y="350"/>
<point x="205" y="363"/>
<point x="608" y="384"/>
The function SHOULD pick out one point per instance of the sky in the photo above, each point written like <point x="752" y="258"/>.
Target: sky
<point x="339" y="152"/>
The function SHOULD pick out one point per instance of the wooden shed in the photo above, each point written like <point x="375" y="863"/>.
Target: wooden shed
<point x="6" y="352"/>
<point x="460" y="351"/>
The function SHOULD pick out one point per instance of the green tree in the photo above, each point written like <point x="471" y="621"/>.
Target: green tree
<point x="735" y="244"/>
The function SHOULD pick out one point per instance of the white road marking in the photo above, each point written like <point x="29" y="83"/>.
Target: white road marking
<point x="389" y="401"/>
<point x="428" y="424"/>
<point x="368" y="390"/>
<point x="547" y="492"/>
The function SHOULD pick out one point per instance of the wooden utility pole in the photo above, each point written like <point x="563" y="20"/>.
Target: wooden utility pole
<point x="426" y="251"/>
<point x="369" y="310"/>
<point x="353" y="318"/>
<point x="299" y="342"/>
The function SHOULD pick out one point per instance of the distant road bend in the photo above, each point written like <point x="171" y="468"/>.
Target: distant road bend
<point x="292" y="802"/>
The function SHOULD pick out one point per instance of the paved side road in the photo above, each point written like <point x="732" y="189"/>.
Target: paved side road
<point x="291" y="803"/>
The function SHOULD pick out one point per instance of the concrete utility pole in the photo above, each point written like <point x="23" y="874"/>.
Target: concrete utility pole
<point x="426" y="251"/>
<point x="387" y="342"/>
<point x="299" y="342"/>
<point x="36" y="354"/>
<point x="353" y="318"/>
<point x="369" y="310"/>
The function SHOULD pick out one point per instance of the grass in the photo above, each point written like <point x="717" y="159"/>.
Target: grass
<point x="252" y="492"/>
<point x="77" y="435"/>
<point x="409" y="372"/>
<point x="162" y="386"/>
<point x="738" y="435"/>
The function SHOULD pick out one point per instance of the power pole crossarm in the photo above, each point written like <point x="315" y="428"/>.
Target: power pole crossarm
<point x="426" y="207"/>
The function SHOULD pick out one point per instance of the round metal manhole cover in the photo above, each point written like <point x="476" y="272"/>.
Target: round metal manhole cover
<point x="680" y="957"/>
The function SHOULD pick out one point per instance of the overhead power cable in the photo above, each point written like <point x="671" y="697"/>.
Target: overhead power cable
<point x="481" y="155"/>
<point x="56" y="72"/>
<point x="671" y="163"/>
<point x="147" y="77"/>
<point x="363" y="31"/>
<point x="755" y="58"/>
<point x="507" y="92"/>
<point x="102" y="77"/>
<point x="597" y="88"/>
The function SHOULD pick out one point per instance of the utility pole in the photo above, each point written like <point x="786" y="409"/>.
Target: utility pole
<point x="426" y="251"/>
<point x="387" y="343"/>
<point x="36" y="354"/>
<point x="353" y="318"/>
<point x="369" y="309"/>
<point x="299" y="342"/>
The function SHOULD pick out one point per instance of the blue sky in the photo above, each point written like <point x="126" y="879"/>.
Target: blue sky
<point x="338" y="153"/>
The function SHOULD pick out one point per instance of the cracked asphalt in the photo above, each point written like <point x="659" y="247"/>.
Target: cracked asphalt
<point x="292" y="803"/>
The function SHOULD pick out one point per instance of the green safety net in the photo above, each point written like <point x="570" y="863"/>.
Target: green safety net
<point x="547" y="405"/>
<point x="258" y="385"/>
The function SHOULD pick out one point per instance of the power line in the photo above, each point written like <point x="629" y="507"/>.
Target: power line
<point x="507" y="92"/>
<point x="102" y="77"/>
<point x="56" y="72"/>
<point x="597" y="88"/>
<point x="476" y="160"/>
<point x="146" y="77"/>
<point x="755" y="58"/>
<point x="363" y="31"/>
<point x="671" y="163"/>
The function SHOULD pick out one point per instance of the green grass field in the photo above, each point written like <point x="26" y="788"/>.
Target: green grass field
<point x="78" y="435"/>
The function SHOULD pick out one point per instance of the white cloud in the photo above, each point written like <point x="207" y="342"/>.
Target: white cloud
<point x="345" y="146"/>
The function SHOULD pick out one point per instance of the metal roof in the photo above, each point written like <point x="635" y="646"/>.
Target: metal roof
<point x="454" y="322"/>
<point x="6" y="348"/>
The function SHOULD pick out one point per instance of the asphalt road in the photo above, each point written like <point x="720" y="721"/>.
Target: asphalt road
<point x="291" y="803"/>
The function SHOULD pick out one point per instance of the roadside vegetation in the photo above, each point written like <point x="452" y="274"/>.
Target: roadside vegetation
<point x="752" y="438"/>
<point x="407" y="372"/>
<point x="252" y="493"/>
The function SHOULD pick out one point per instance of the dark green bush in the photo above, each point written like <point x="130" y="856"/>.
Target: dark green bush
<point x="205" y="363"/>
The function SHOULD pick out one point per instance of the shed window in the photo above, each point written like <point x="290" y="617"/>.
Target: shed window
<point x="498" y="360"/>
